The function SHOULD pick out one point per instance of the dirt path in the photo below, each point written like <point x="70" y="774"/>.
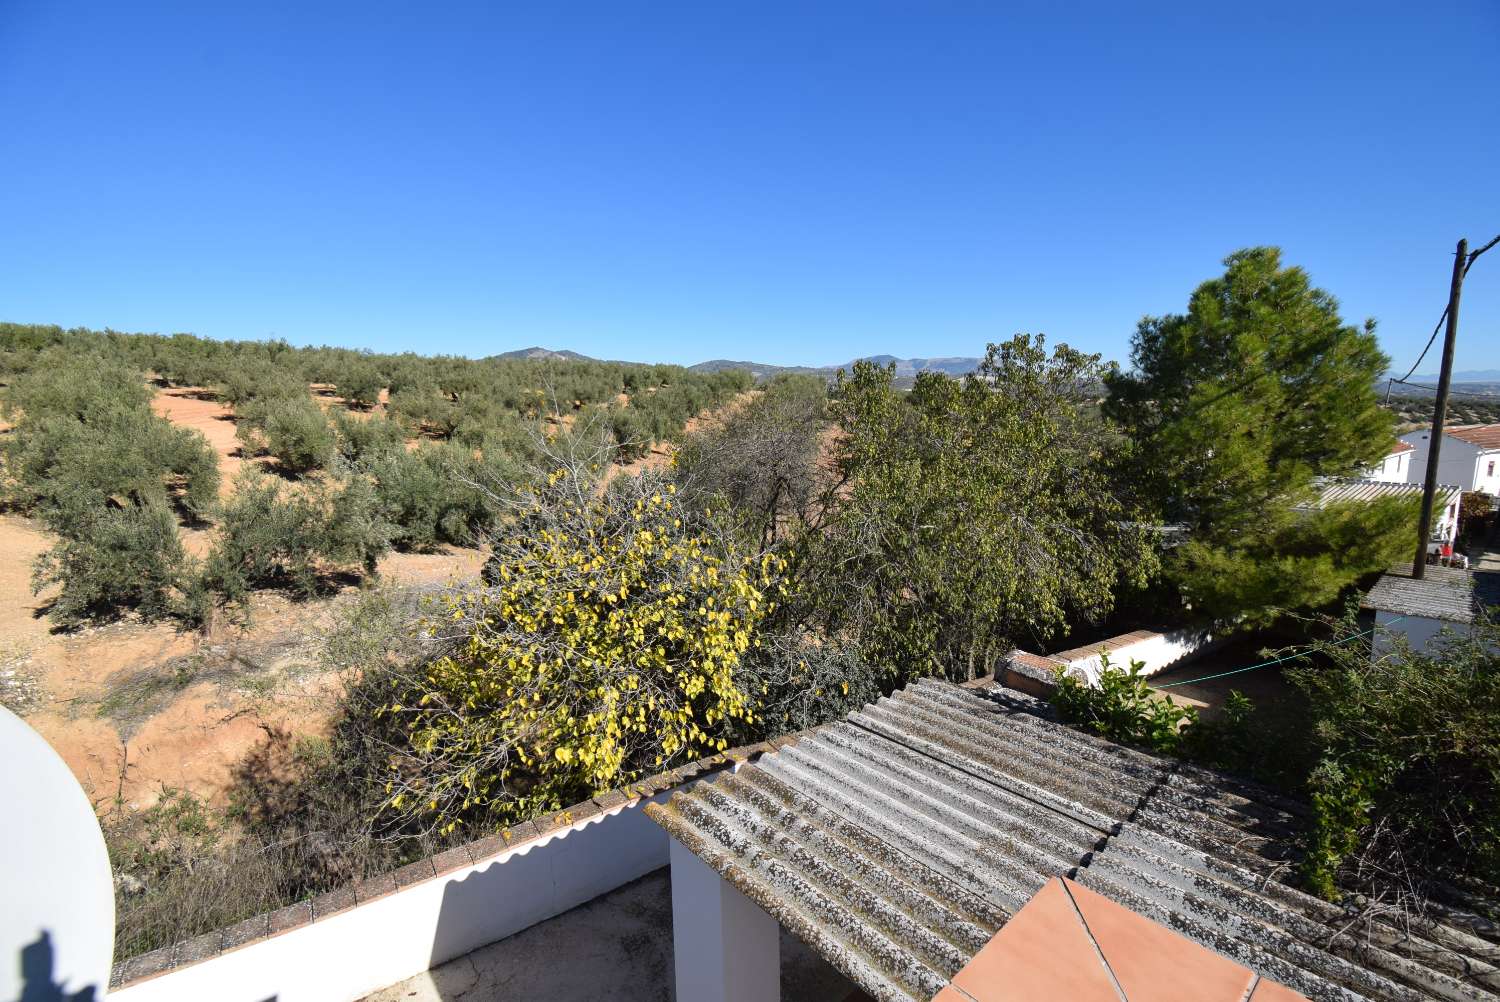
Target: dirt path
<point x="134" y="707"/>
<point x="192" y="407"/>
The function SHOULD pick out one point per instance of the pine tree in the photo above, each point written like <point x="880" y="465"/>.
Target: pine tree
<point x="1234" y="408"/>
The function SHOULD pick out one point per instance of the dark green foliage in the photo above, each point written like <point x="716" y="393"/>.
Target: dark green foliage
<point x="425" y="410"/>
<point x="1294" y="560"/>
<point x="1239" y="739"/>
<point x="91" y="459"/>
<point x="299" y="436"/>
<point x="272" y="535"/>
<point x="112" y="561"/>
<point x="360" y="384"/>
<point x="796" y="684"/>
<point x="1233" y="408"/>
<point x="1407" y="785"/>
<point x="1123" y="708"/>
<point x="363" y="438"/>
<point x="975" y="512"/>
<point x="430" y="494"/>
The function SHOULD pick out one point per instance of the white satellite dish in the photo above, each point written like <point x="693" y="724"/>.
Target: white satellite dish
<point x="57" y="925"/>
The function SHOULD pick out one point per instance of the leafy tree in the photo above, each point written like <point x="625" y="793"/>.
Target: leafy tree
<point x="1407" y="786"/>
<point x="764" y="459"/>
<point x="299" y="436"/>
<point x="1234" y="408"/>
<point x="431" y="494"/>
<point x="272" y="534"/>
<point x="1294" y="559"/>
<point x="360" y="384"/>
<point x="605" y="641"/>
<point x="113" y="560"/>
<point x="975" y="512"/>
<point x="361" y="438"/>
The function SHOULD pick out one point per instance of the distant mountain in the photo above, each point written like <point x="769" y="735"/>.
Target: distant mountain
<point x="1470" y="376"/>
<point x="545" y="353"/>
<point x="906" y="368"/>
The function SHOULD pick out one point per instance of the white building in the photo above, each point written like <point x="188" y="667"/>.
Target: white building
<point x="1340" y="490"/>
<point x="1395" y="468"/>
<point x="1470" y="457"/>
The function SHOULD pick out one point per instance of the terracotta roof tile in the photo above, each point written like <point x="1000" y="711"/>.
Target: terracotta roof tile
<point x="1151" y="962"/>
<point x="1043" y="953"/>
<point x="1486" y="436"/>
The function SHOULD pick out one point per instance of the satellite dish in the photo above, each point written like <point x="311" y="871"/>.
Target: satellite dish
<point x="57" y="927"/>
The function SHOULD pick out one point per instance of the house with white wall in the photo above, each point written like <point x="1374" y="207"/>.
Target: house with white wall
<point x="1470" y="456"/>
<point x="1396" y="467"/>
<point x="1344" y="490"/>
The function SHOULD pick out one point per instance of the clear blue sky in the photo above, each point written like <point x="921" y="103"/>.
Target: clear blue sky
<point x="791" y="183"/>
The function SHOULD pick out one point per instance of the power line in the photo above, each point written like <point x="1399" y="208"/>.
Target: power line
<point x="1273" y="661"/>
<point x="1442" y="319"/>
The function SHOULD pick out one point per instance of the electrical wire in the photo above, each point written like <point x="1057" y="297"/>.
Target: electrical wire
<point x="1273" y="661"/>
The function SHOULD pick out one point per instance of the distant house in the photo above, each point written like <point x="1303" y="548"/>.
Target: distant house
<point x="1395" y="468"/>
<point x="1470" y="456"/>
<point x="1338" y="490"/>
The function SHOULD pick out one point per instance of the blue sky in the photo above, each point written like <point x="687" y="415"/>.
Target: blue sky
<point x="791" y="183"/>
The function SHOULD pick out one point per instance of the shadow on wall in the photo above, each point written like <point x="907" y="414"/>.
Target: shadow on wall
<point x="37" y="962"/>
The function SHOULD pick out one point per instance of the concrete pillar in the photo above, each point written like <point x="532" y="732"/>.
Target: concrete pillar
<point x="726" y="948"/>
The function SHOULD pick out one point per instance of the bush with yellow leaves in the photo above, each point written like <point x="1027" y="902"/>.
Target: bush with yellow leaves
<point x="604" y="644"/>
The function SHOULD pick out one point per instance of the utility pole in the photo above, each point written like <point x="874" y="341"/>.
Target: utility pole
<point x="1440" y="408"/>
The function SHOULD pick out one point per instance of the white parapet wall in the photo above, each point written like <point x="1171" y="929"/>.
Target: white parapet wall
<point x="1155" y="651"/>
<point x="348" y="955"/>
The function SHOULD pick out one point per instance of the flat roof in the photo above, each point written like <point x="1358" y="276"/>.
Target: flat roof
<point x="896" y="843"/>
<point x="1443" y="593"/>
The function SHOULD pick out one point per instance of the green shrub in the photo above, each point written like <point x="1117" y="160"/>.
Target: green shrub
<point x="273" y="534"/>
<point x="360" y="384"/>
<point x="425" y="409"/>
<point x="1123" y="708"/>
<point x="298" y="435"/>
<point x="364" y="438"/>
<point x="114" y="560"/>
<point x="429" y="494"/>
<point x="1407" y="785"/>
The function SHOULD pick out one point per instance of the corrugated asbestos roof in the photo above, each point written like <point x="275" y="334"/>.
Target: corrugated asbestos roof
<point x="898" y="841"/>
<point x="1341" y="490"/>
<point x="1446" y="593"/>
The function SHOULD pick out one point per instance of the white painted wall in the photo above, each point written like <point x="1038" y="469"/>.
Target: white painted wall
<point x="1458" y="462"/>
<point x="1487" y="472"/>
<point x="1418" y="630"/>
<point x="1394" y="469"/>
<point x="725" y="947"/>
<point x="347" y="956"/>
<point x="1158" y="652"/>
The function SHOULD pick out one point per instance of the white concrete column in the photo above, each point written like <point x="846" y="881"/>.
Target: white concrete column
<point x="726" y="948"/>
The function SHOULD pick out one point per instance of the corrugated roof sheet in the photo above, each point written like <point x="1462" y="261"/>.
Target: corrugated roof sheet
<point x="1445" y="593"/>
<point x="1340" y="490"/>
<point x="1486" y="436"/>
<point x="898" y="841"/>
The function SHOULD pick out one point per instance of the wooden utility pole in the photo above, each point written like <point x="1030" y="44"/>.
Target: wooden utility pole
<point x="1440" y="408"/>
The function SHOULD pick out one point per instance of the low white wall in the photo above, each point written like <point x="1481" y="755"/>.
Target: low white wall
<point x="1157" y="651"/>
<point x="347" y="956"/>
